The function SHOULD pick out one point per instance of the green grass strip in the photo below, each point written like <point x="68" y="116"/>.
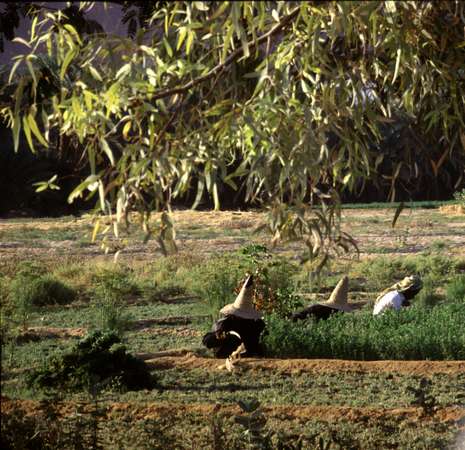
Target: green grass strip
<point x="427" y="204"/>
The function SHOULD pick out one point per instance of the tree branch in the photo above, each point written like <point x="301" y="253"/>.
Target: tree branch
<point x="231" y="58"/>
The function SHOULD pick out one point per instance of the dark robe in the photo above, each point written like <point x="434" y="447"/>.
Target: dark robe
<point x="317" y="311"/>
<point x="224" y="343"/>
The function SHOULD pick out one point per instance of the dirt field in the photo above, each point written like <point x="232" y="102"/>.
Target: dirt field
<point x="350" y="404"/>
<point x="209" y="232"/>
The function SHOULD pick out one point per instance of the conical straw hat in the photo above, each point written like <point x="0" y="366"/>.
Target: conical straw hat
<point x="412" y="282"/>
<point x="243" y="305"/>
<point x="339" y="296"/>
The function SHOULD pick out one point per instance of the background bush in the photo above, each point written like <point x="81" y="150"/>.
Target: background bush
<point x="111" y="289"/>
<point x="215" y="281"/>
<point x="40" y="291"/>
<point x="218" y="280"/>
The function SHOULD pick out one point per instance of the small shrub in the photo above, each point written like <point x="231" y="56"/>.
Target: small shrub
<point x="215" y="281"/>
<point x="98" y="358"/>
<point x="155" y="293"/>
<point x="27" y="293"/>
<point x="110" y="291"/>
<point x="118" y="281"/>
<point x="438" y="245"/>
<point x="218" y="280"/>
<point x="455" y="290"/>
<point x="383" y="271"/>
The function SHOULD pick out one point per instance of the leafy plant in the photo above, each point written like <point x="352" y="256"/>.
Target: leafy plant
<point x="98" y="358"/>
<point x="254" y="422"/>
<point x="216" y="280"/>
<point x="28" y="291"/>
<point x="44" y="290"/>
<point x="109" y="294"/>
<point x="423" y="397"/>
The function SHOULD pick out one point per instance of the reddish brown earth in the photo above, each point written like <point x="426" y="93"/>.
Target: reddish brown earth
<point x="186" y="361"/>
<point x="153" y="410"/>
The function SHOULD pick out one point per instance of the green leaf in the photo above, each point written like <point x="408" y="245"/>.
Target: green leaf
<point x="27" y="132"/>
<point x="73" y="31"/>
<point x="16" y="130"/>
<point x="67" y="61"/>
<point x="31" y="69"/>
<point x="396" y="70"/>
<point x="78" y="190"/>
<point x="168" y="48"/>
<point x="35" y="130"/>
<point x="21" y="41"/>
<point x="182" y="35"/>
<point x="123" y="71"/>
<point x="94" y="72"/>
<point x="107" y="150"/>
<point x="200" y="190"/>
<point x="13" y="69"/>
<point x="216" y="199"/>
<point x="190" y="38"/>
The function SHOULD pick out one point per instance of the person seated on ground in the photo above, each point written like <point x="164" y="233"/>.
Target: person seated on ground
<point x="337" y="303"/>
<point x="398" y="295"/>
<point x="241" y="323"/>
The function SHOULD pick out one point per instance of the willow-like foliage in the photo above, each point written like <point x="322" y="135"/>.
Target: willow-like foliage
<point x="288" y="101"/>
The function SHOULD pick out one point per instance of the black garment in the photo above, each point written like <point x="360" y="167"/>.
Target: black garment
<point x="224" y="344"/>
<point x="317" y="311"/>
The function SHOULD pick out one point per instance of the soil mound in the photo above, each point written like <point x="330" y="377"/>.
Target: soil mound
<point x="292" y="366"/>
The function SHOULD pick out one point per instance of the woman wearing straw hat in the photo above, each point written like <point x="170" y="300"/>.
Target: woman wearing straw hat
<point x="337" y="303"/>
<point x="241" y="323"/>
<point x="398" y="295"/>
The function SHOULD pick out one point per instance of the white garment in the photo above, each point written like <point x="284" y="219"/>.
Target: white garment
<point x="390" y="300"/>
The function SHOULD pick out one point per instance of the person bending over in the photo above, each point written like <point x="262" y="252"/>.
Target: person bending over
<point x="337" y="303"/>
<point x="241" y="323"/>
<point x="398" y="295"/>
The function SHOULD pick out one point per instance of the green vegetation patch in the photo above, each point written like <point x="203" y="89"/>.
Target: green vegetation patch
<point x="98" y="358"/>
<point x="456" y="289"/>
<point x="414" y="333"/>
<point x="42" y="291"/>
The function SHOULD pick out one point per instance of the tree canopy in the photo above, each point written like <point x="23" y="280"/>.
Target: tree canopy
<point x="287" y="102"/>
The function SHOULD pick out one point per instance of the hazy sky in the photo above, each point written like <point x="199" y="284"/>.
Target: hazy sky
<point x="109" y="18"/>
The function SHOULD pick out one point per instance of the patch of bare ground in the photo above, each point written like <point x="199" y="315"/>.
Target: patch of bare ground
<point x="187" y="360"/>
<point x="152" y="410"/>
<point x="39" y="333"/>
<point x="143" y="325"/>
<point x="370" y="228"/>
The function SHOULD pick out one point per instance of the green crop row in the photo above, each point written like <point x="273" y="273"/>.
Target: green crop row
<point x="418" y="332"/>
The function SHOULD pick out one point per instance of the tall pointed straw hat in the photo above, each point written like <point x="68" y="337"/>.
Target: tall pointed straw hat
<point x="243" y="305"/>
<point x="339" y="296"/>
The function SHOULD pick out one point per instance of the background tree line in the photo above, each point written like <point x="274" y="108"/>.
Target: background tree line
<point x="281" y="105"/>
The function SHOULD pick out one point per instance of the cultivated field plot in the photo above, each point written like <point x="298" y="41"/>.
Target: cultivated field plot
<point x="353" y="382"/>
